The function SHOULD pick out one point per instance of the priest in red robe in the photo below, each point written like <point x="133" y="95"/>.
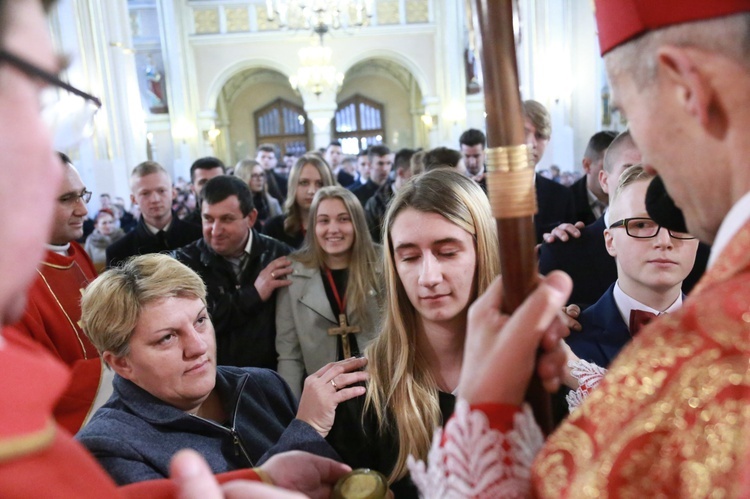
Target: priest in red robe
<point x="670" y="418"/>
<point x="53" y="310"/>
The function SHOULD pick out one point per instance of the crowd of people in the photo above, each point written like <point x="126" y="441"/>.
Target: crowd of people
<point x="298" y="321"/>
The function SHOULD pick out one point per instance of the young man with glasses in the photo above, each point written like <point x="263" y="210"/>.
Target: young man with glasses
<point x="53" y="310"/>
<point x="652" y="262"/>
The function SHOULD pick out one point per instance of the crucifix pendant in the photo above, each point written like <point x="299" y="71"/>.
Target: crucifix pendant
<point x="344" y="330"/>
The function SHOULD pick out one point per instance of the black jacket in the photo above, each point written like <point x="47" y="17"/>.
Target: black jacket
<point x="245" y="325"/>
<point x="375" y="209"/>
<point x="581" y="201"/>
<point x="274" y="228"/>
<point x="140" y="241"/>
<point x="365" y="191"/>
<point x="555" y="206"/>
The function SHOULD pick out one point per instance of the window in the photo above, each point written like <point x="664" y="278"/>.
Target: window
<point x="283" y="124"/>
<point x="359" y="124"/>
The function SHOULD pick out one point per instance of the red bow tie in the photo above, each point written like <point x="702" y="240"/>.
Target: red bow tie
<point x="638" y="319"/>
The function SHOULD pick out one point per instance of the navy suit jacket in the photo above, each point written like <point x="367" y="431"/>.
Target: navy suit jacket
<point x="585" y="260"/>
<point x="581" y="201"/>
<point x="555" y="204"/>
<point x="603" y="332"/>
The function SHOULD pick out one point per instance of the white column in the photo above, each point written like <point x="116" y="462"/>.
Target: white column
<point x="432" y="108"/>
<point x="451" y="78"/>
<point x="98" y="36"/>
<point x="179" y="67"/>
<point x="320" y="110"/>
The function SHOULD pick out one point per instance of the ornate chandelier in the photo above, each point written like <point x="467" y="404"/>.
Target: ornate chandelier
<point x="316" y="73"/>
<point x="319" y="15"/>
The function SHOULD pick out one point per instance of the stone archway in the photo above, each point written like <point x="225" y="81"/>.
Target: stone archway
<point x="242" y="94"/>
<point x="396" y="87"/>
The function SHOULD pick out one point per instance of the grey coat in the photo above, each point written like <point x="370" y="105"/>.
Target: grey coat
<point x="303" y="317"/>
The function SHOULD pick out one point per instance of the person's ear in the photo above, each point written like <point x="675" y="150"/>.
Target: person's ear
<point x="120" y="365"/>
<point x="252" y="217"/>
<point x="609" y="242"/>
<point x="133" y="201"/>
<point x="689" y="84"/>
<point x="586" y="163"/>
<point x="603" y="180"/>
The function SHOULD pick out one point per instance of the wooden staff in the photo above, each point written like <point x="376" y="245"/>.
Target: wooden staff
<point x="510" y="168"/>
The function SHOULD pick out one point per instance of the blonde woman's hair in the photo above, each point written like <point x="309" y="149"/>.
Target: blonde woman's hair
<point x="244" y="171"/>
<point x="293" y="220"/>
<point x="402" y="391"/>
<point x="364" y="263"/>
<point x="112" y="304"/>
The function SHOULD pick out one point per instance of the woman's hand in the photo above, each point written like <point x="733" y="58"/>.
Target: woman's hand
<point x="501" y="351"/>
<point x="327" y="388"/>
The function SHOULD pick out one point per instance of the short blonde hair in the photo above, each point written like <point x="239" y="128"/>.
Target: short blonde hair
<point x="147" y="168"/>
<point x="631" y="175"/>
<point x="112" y="304"/>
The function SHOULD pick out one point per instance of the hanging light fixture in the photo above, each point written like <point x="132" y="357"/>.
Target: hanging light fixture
<point x="317" y="14"/>
<point x="316" y="73"/>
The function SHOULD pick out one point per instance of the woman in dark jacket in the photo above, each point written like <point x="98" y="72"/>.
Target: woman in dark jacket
<point x="149" y="320"/>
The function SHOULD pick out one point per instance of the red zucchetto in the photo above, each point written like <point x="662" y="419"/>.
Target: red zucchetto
<point x="621" y="20"/>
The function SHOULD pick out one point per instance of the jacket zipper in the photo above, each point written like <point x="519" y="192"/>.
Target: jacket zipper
<point x="236" y="442"/>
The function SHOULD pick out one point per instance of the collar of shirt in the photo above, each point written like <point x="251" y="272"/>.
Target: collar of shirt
<point x="733" y="222"/>
<point x="625" y="304"/>
<point x="597" y="207"/>
<point x="154" y="230"/>
<point x="237" y="261"/>
<point x="63" y="249"/>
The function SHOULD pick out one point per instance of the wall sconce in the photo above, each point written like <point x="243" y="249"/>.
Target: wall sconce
<point x="429" y="121"/>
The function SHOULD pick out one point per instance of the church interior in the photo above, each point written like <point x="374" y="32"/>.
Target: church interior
<point x="183" y="79"/>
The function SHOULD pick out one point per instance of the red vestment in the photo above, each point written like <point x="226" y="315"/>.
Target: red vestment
<point x="670" y="419"/>
<point x="52" y="318"/>
<point x="37" y="457"/>
<point x="671" y="415"/>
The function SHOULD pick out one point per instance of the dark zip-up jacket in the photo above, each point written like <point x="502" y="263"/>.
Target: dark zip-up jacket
<point x="245" y="325"/>
<point x="134" y="435"/>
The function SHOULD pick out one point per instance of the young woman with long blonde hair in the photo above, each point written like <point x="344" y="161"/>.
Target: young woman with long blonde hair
<point x="337" y="271"/>
<point x="440" y="252"/>
<point x="309" y="174"/>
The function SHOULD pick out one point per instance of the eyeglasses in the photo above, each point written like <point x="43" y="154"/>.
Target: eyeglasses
<point x="68" y="120"/>
<point x="645" y="228"/>
<point x="73" y="197"/>
<point x="257" y="176"/>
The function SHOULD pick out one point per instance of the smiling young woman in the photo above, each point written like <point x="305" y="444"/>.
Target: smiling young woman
<point x="335" y="274"/>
